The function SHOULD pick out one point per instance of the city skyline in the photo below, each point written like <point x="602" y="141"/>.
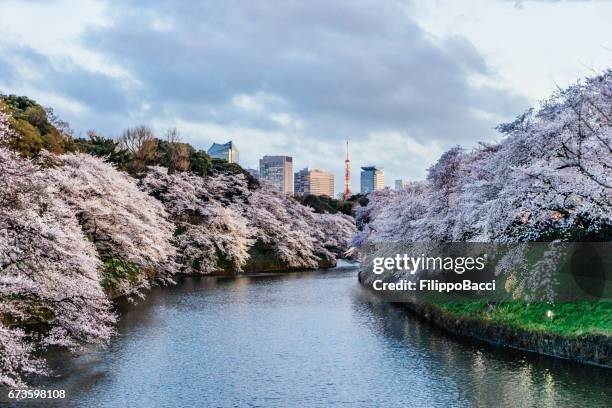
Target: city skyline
<point x="404" y="84"/>
<point x="228" y="151"/>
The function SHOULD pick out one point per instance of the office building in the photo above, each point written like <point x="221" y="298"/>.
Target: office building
<point x="225" y="151"/>
<point x="372" y="178"/>
<point x="277" y="170"/>
<point x="401" y="184"/>
<point x="314" y="181"/>
<point x="321" y="182"/>
<point x="301" y="184"/>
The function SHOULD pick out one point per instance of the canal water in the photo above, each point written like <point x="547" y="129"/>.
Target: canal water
<point x="305" y="339"/>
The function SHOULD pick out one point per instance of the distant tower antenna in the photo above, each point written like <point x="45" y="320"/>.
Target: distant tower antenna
<point x="347" y="174"/>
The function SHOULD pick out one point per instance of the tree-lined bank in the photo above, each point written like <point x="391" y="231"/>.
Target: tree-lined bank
<point x="77" y="231"/>
<point x="548" y="180"/>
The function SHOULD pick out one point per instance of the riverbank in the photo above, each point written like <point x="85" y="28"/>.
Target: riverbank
<point x="259" y="262"/>
<point x="325" y="265"/>
<point x="513" y="325"/>
<point x="338" y="264"/>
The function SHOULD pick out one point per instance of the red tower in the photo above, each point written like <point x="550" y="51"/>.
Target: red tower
<point x="347" y="175"/>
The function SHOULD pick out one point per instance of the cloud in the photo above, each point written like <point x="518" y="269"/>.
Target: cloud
<point x="335" y="65"/>
<point x="309" y="74"/>
<point x="520" y="4"/>
<point x="97" y="91"/>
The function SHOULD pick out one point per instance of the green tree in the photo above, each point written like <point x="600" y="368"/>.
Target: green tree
<point x="100" y="146"/>
<point x="200" y="162"/>
<point x="34" y="131"/>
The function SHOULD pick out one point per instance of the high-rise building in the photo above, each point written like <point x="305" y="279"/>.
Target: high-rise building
<point x="314" y="181"/>
<point x="372" y="178"/>
<point x="301" y="183"/>
<point x="277" y="170"/>
<point x="401" y="184"/>
<point x="225" y="151"/>
<point x="321" y="183"/>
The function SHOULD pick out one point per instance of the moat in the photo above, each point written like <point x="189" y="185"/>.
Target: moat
<point x="305" y="339"/>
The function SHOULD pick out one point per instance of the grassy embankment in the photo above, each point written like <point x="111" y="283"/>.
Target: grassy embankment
<point x="567" y="319"/>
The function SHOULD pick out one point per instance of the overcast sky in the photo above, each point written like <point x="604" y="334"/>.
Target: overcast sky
<point x="403" y="81"/>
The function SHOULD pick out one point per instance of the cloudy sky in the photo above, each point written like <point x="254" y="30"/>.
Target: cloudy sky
<point x="402" y="80"/>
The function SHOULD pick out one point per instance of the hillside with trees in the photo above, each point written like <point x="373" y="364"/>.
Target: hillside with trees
<point x="83" y="221"/>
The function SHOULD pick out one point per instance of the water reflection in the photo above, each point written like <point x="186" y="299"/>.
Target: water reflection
<point x="488" y="376"/>
<point x="304" y="339"/>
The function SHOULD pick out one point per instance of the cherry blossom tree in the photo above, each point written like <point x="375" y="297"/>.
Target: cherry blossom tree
<point x="549" y="178"/>
<point x="129" y="228"/>
<point x="208" y="227"/>
<point x="49" y="272"/>
<point x="220" y="220"/>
